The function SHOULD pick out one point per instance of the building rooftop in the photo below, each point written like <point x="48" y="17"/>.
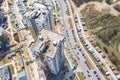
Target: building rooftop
<point x="5" y="73"/>
<point x="22" y="76"/>
<point x="38" y="12"/>
<point x="38" y="16"/>
<point x="47" y="43"/>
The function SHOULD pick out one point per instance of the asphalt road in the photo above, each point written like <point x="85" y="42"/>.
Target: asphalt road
<point x="82" y="67"/>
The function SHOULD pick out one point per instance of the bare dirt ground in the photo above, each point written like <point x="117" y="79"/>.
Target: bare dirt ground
<point x="98" y="6"/>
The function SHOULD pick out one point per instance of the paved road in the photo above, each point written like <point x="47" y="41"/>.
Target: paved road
<point x="71" y="44"/>
<point x="88" y="54"/>
<point x="104" y="61"/>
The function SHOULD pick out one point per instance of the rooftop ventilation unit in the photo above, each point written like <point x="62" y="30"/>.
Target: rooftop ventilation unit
<point x="40" y="37"/>
<point x="54" y="43"/>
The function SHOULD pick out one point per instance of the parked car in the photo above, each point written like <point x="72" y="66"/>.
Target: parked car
<point x="98" y="78"/>
<point x="94" y="72"/>
<point x="79" y="49"/>
<point x="115" y="72"/>
<point x="112" y="67"/>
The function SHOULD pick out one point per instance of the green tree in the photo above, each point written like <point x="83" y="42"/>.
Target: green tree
<point x="105" y="49"/>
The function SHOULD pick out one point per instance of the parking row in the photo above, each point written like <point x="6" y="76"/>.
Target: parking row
<point x="73" y="33"/>
<point x="112" y="67"/>
<point x="94" y="45"/>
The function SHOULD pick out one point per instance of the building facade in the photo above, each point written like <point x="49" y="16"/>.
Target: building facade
<point x="40" y="16"/>
<point x="56" y="61"/>
<point x="49" y="48"/>
<point x="3" y="19"/>
<point x="5" y="73"/>
<point x="4" y="40"/>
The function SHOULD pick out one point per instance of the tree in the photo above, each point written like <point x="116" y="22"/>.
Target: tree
<point x="105" y="49"/>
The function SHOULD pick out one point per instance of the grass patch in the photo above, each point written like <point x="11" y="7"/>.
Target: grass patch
<point x="68" y="12"/>
<point x="57" y="8"/>
<point x="42" y="1"/>
<point x="14" y="78"/>
<point x="5" y="60"/>
<point x="58" y="15"/>
<point x="88" y="63"/>
<point x="70" y="23"/>
<point x="11" y="69"/>
<point x="16" y="37"/>
<point x="71" y="6"/>
<point x="73" y="61"/>
<point x="54" y="15"/>
<point x="33" y="32"/>
<point x="16" y="50"/>
<point x="81" y="77"/>
<point x="91" y="56"/>
<point x="113" y="53"/>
